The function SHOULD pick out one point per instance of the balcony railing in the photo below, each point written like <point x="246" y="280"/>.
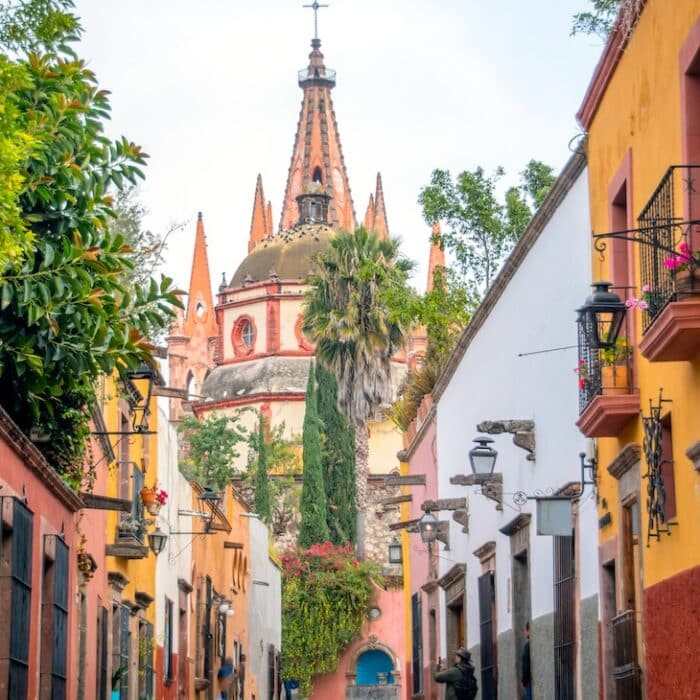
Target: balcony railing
<point x="602" y="372"/>
<point x="626" y="671"/>
<point x="325" y="75"/>
<point x="676" y="200"/>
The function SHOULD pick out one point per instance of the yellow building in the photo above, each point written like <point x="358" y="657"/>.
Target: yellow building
<point x="130" y="426"/>
<point x="639" y="398"/>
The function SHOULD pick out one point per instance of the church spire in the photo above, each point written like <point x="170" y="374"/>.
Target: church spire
<point x="437" y="255"/>
<point x="317" y="156"/>
<point x="380" y="223"/>
<point x="260" y="228"/>
<point x="200" y="305"/>
<point x="369" y="214"/>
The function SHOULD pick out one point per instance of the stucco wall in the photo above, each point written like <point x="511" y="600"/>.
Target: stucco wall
<point x="494" y="381"/>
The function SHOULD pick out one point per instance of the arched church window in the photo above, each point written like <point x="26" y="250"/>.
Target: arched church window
<point x="318" y="175"/>
<point x="200" y="310"/>
<point x="243" y="336"/>
<point x="314" y="213"/>
<point x="191" y="387"/>
<point x="374" y="667"/>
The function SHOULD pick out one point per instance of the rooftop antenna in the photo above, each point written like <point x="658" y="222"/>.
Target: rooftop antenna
<point x="315" y="7"/>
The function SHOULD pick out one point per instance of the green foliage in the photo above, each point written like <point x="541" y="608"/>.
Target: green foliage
<point x="68" y="315"/>
<point x="481" y="230"/>
<point x="283" y="459"/>
<point x="325" y="596"/>
<point x="617" y="355"/>
<point x="599" y="20"/>
<point x="262" y="482"/>
<point x="347" y="315"/>
<point x="314" y="527"/>
<point x="338" y="459"/>
<point x="30" y="25"/>
<point x="211" y="446"/>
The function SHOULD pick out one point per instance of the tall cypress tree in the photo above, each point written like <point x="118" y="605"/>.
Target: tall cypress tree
<point x="262" y="483"/>
<point x="314" y="527"/>
<point x="338" y="457"/>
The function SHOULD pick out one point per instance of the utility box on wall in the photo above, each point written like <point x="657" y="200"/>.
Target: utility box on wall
<point x="554" y="516"/>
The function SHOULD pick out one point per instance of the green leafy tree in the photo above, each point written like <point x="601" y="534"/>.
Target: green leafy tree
<point x="68" y="314"/>
<point x="338" y="459"/>
<point x="314" y="527"/>
<point x="599" y="20"/>
<point x="356" y="332"/>
<point x="480" y="230"/>
<point x="33" y="25"/>
<point x="262" y="483"/>
<point x="210" y="446"/>
<point x="325" y="595"/>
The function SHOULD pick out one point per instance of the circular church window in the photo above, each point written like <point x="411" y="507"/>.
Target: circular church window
<point x="243" y="336"/>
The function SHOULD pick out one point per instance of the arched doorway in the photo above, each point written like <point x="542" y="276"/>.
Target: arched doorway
<point x="374" y="667"/>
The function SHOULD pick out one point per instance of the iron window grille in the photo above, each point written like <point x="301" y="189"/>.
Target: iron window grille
<point x="564" y="617"/>
<point x="168" y="670"/>
<point x="656" y="489"/>
<point x="417" y="644"/>
<point x="487" y="603"/>
<point x="626" y="672"/>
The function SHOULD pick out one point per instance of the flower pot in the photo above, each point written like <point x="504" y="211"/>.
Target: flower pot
<point x="153" y="508"/>
<point x="615" y="380"/>
<point x="686" y="283"/>
<point x="148" y="496"/>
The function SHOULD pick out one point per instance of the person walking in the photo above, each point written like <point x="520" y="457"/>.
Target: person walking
<point x="460" y="682"/>
<point x="525" y="672"/>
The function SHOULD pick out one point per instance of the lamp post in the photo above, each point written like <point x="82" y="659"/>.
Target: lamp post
<point x="395" y="555"/>
<point x="602" y="315"/>
<point x="482" y="458"/>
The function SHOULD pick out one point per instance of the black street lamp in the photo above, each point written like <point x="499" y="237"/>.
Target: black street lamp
<point x="428" y="527"/>
<point x="395" y="555"/>
<point x="602" y="315"/>
<point x="156" y="541"/>
<point x="483" y="457"/>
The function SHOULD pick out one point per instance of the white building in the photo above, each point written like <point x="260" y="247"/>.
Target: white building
<point x="514" y="367"/>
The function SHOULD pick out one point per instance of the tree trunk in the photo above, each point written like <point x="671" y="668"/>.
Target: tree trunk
<point x="361" y="456"/>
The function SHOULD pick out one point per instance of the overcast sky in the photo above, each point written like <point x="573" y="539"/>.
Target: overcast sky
<point x="208" y="88"/>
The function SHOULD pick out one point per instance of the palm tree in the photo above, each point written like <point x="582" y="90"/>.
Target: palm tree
<point x="356" y="333"/>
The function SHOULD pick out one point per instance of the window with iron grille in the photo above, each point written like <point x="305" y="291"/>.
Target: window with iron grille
<point x="54" y="620"/>
<point x="121" y="643"/>
<point x="145" y="659"/>
<point x="17" y="546"/>
<point x="487" y="603"/>
<point x="564" y="611"/>
<point x="417" y="643"/>
<point x="101" y="652"/>
<point x="168" y="644"/>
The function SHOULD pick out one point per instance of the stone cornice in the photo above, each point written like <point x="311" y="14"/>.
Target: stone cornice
<point x="486" y="551"/>
<point x="527" y="240"/>
<point x="34" y="460"/>
<point x="452" y="576"/>
<point x="625" y="459"/>
<point x="517" y="523"/>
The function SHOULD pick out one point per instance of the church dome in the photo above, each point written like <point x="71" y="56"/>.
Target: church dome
<point x="269" y="375"/>
<point x="288" y="254"/>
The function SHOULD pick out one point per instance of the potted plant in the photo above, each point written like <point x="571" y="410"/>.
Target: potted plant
<point x="160" y="498"/>
<point x="682" y="266"/>
<point x="615" y="367"/>
<point x="148" y="495"/>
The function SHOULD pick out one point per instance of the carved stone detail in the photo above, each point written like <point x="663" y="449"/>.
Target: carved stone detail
<point x="461" y="516"/>
<point x="625" y="459"/>
<point x="523" y="432"/>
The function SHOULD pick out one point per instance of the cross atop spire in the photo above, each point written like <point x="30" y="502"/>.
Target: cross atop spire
<point x="315" y="6"/>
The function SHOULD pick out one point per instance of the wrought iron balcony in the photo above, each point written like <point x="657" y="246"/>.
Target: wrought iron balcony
<point x="667" y="221"/>
<point x="605" y="389"/>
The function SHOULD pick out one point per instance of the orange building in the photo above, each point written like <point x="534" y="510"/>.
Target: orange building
<point x="641" y="114"/>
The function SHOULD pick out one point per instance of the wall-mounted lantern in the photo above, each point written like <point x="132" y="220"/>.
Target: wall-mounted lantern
<point x="428" y="527"/>
<point x="482" y="458"/>
<point x="395" y="554"/>
<point x="157" y="540"/>
<point x="602" y="316"/>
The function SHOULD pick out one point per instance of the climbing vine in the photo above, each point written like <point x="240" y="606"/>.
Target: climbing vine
<point x="325" y="595"/>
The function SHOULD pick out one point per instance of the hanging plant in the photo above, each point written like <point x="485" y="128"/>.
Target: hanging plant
<point x="325" y="595"/>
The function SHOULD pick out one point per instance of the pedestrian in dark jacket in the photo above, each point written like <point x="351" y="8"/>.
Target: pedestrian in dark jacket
<point x="460" y="674"/>
<point x="525" y="673"/>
